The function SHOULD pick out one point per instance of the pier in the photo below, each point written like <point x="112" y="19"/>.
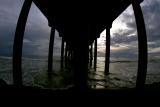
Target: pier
<point x="79" y="24"/>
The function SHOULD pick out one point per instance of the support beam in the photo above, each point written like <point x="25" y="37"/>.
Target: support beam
<point x="107" y="54"/>
<point x="18" y="43"/>
<point x="80" y="62"/>
<point x="62" y="52"/>
<point x="66" y="56"/>
<point x="95" y="55"/>
<point x="50" y="54"/>
<point x="142" y="45"/>
<point x="91" y="55"/>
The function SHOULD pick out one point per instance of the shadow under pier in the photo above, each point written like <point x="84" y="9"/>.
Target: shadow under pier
<point x="79" y="24"/>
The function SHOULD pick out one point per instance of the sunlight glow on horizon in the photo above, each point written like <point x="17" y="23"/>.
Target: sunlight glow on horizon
<point x="119" y="24"/>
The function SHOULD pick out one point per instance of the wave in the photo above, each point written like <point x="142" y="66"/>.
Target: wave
<point x="5" y="57"/>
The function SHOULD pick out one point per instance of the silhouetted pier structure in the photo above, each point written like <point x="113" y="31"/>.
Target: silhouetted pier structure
<point x="80" y="23"/>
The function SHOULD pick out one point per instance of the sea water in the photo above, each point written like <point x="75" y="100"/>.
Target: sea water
<point x="122" y="74"/>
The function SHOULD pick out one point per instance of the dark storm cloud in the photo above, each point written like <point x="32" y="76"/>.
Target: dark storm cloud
<point x="36" y="38"/>
<point x="151" y="12"/>
<point x="152" y="16"/>
<point x="124" y="37"/>
<point x="37" y="32"/>
<point x="9" y="10"/>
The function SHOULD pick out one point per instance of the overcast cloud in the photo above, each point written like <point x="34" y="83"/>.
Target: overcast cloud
<point x="124" y="38"/>
<point x="36" y="39"/>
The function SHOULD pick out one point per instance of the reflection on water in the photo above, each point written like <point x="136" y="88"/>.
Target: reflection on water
<point x="122" y="74"/>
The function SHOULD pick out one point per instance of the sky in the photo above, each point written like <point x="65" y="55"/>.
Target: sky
<point x="124" y="43"/>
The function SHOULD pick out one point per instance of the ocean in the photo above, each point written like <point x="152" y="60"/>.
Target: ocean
<point x="122" y="74"/>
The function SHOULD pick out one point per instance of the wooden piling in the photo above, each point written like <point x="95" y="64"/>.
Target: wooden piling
<point x="142" y="45"/>
<point x="91" y="55"/>
<point x="107" y="53"/>
<point x="95" y="55"/>
<point x="62" y="52"/>
<point x="66" y="55"/>
<point x="81" y="58"/>
<point x="18" y="43"/>
<point x="50" y="54"/>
